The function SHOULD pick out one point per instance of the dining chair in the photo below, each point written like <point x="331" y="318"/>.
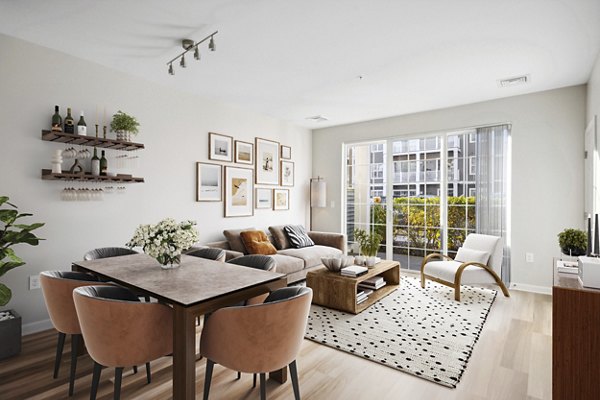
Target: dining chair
<point x="106" y="252"/>
<point x="120" y="331"/>
<point x="57" y="288"/>
<point x="271" y="339"/>
<point x="210" y="253"/>
<point x="479" y="260"/>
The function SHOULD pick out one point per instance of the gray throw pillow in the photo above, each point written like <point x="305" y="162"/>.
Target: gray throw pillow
<point x="279" y="237"/>
<point x="297" y="236"/>
<point x="234" y="239"/>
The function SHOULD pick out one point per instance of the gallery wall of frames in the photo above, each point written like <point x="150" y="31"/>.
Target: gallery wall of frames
<point x="245" y="176"/>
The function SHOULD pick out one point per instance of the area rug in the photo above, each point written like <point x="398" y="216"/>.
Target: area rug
<point x="423" y="332"/>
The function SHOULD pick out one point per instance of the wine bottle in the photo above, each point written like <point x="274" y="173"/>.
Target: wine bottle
<point x="69" y="122"/>
<point x="95" y="164"/>
<point x="103" y="164"/>
<point x="56" y="121"/>
<point x="81" y="126"/>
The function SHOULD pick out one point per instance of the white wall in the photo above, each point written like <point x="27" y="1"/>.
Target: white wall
<point x="593" y="95"/>
<point x="174" y="128"/>
<point x="547" y="168"/>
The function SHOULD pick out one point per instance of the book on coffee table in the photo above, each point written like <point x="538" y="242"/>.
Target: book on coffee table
<point x="354" y="271"/>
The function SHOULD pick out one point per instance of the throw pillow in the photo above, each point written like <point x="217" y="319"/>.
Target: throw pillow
<point x="234" y="239"/>
<point x="279" y="237"/>
<point x="466" y="255"/>
<point x="297" y="236"/>
<point x="257" y="242"/>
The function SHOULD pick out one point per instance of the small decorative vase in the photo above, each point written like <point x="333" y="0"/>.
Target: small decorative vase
<point x="359" y="260"/>
<point x="172" y="265"/>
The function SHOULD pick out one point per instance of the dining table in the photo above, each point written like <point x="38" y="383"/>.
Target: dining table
<point x="197" y="287"/>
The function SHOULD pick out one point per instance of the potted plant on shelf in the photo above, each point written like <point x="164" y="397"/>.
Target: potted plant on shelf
<point x="124" y="125"/>
<point x="369" y="245"/>
<point x="10" y="235"/>
<point x="573" y="242"/>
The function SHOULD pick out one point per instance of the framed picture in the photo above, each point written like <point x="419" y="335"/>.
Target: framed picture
<point x="244" y="152"/>
<point x="286" y="152"/>
<point x="209" y="182"/>
<point x="239" y="192"/>
<point x="264" y="198"/>
<point x="281" y="199"/>
<point x="267" y="162"/>
<point x="287" y="173"/>
<point x="220" y="147"/>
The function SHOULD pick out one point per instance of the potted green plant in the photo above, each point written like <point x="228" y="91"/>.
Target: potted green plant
<point x="124" y="125"/>
<point x="368" y="244"/>
<point x="11" y="234"/>
<point x="573" y="242"/>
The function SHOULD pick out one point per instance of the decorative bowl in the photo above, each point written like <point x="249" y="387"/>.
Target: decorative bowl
<point x="347" y="261"/>
<point x="334" y="264"/>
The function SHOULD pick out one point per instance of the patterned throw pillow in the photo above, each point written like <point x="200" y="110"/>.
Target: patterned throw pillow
<point x="256" y="242"/>
<point x="297" y="236"/>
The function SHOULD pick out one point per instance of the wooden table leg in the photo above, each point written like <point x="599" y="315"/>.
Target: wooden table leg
<point x="184" y="354"/>
<point x="279" y="375"/>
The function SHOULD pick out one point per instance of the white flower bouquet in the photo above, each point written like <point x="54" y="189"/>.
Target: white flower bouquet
<point x="166" y="240"/>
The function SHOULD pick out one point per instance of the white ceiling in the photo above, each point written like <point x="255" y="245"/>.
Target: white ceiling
<point x="295" y="59"/>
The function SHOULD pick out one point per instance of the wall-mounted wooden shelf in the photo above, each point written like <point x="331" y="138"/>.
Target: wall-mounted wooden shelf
<point x="47" y="175"/>
<point x="113" y="144"/>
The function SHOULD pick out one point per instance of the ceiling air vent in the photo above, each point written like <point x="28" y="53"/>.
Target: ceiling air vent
<point x="318" y="118"/>
<point x="515" y="81"/>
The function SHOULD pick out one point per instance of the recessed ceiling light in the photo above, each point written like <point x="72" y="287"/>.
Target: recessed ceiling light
<point x="514" y="81"/>
<point x="318" y="118"/>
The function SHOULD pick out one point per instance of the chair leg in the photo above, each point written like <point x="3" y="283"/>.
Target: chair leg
<point x="239" y="375"/>
<point x="75" y="339"/>
<point x="263" y="387"/>
<point x="118" y="379"/>
<point x="422" y="281"/>
<point x="95" y="380"/>
<point x="294" y="375"/>
<point x="148" y="374"/>
<point x="59" y="349"/>
<point x="207" y="378"/>
<point x="253" y="381"/>
<point x="457" y="292"/>
<point x="135" y="369"/>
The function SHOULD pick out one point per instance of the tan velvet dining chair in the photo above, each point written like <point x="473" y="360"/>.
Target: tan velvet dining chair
<point x="120" y="331"/>
<point x="258" y="338"/>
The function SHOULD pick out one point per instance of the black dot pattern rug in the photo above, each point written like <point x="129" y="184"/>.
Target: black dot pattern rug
<point x="423" y="332"/>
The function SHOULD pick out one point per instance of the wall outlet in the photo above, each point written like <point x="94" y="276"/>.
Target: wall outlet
<point x="34" y="282"/>
<point x="529" y="257"/>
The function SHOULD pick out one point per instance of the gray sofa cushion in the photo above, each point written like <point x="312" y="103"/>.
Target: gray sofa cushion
<point x="297" y="236"/>
<point x="234" y="239"/>
<point x="286" y="264"/>
<point x="311" y="256"/>
<point x="279" y="237"/>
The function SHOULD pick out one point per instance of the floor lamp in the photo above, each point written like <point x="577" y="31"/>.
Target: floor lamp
<point x="318" y="195"/>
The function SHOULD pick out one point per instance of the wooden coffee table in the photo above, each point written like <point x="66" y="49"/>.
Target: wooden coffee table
<point x="332" y="290"/>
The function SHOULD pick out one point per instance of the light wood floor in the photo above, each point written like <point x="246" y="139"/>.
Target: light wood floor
<point x="512" y="361"/>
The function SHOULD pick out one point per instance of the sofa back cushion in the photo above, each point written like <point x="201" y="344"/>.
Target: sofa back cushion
<point x="234" y="239"/>
<point x="297" y="236"/>
<point x="279" y="237"/>
<point x="256" y="242"/>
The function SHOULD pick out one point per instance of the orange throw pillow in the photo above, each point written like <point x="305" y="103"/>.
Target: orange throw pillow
<point x="256" y="242"/>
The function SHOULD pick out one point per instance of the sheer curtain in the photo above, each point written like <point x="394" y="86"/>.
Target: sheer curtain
<point x="493" y="187"/>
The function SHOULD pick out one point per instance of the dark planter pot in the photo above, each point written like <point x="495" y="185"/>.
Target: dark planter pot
<point x="575" y="252"/>
<point x="10" y="336"/>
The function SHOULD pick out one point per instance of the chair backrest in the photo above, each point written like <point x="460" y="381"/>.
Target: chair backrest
<point x="493" y="245"/>
<point x="57" y="287"/>
<point x="209" y="253"/>
<point x="119" y="330"/>
<point x="106" y="252"/>
<point x="258" y="338"/>
<point x="256" y="261"/>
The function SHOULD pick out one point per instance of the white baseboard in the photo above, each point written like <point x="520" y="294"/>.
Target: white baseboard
<point x="531" y="288"/>
<point x="38" y="326"/>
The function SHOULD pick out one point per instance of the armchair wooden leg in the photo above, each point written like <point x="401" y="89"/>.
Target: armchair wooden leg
<point x="75" y="339"/>
<point x="209" y="370"/>
<point x="253" y="381"/>
<point x="457" y="292"/>
<point x="504" y="289"/>
<point x="239" y="376"/>
<point x="294" y="374"/>
<point x="263" y="387"/>
<point x="148" y="374"/>
<point x="135" y="369"/>
<point x="422" y="281"/>
<point x="118" y="379"/>
<point x="59" y="350"/>
<point x="95" y="380"/>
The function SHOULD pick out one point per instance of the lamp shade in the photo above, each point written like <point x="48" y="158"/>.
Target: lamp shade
<point x="318" y="193"/>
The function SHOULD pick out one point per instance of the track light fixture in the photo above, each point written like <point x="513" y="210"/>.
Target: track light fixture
<point x="188" y="45"/>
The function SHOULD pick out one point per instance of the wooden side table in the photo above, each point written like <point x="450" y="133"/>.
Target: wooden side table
<point x="332" y="290"/>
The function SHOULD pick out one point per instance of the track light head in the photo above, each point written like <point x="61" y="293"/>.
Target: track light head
<point x="211" y="44"/>
<point x="197" y="53"/>
<point x="182" y="62"/>
<point x="171" y="72"/>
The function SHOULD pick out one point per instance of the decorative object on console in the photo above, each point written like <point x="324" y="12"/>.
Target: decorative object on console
<point x="573" y="242"/>
<point x="124" y="125"/>
<point x="244" y="152"/>
<point x="165" y="241"/>
<point x="220" y="147"/>
<point x="239" y="192"/>
<point x="281" y="199"/>
<point x="335" y="264"/>
<point x="209" y="182"/>
<point x="264" y="198"/>
<point x="57" y="162"/>
<point x="257" y="242"/>
<point x="318" y="194"/>
<point x="297" y="236"/>
<point x="286" y="152"/>
<point x="189" y="45"/>
<point x="287" y="173"/>
<point x="267" y="161"/>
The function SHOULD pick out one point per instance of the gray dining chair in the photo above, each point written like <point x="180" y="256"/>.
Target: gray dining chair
<point x="106" y="252"/>
<point x="210" y="253"/>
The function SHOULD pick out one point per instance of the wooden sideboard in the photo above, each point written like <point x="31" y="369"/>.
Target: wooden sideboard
<point x="575" y="339"/>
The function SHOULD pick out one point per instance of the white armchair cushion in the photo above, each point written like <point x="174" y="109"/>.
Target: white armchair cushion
<point x="446" y="270"/>
<point x="468" y="255"/>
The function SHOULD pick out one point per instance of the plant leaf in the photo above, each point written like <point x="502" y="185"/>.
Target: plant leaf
<point x="7" y="266"/>
<point x="24" y="215"/>
<point x="14" y="237"/>
<point x="10" y="254"/>
<point x="29" y="227"/>
<point x="8" y="216"/>
<point x="5" y="294"/>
